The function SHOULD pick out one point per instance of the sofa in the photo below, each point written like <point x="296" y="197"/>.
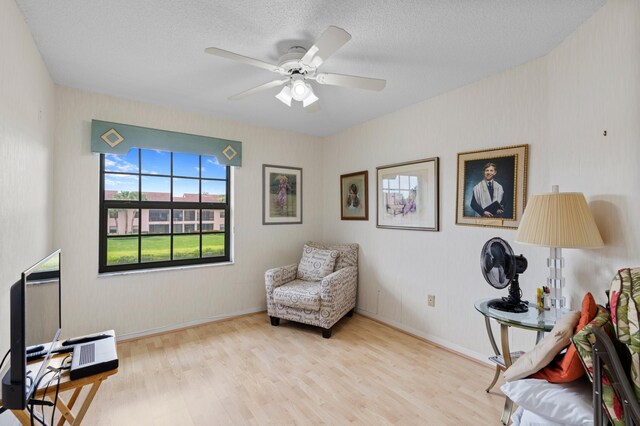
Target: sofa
<point x="606" y="344"/>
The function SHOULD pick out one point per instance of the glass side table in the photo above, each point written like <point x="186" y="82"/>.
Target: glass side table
<point x="535" y="320"/>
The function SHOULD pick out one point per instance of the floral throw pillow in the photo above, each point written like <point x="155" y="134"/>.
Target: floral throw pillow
<point x="316" y="263"/>
<point x="583" y="341"/>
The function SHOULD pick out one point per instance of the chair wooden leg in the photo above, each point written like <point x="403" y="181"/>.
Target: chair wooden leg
<point x="326" y="333"/>
<point x="350" y="313"/>
<point x="275" y="321"/>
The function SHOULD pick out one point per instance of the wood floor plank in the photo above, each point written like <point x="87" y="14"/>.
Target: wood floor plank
<point x="245" y="371"/>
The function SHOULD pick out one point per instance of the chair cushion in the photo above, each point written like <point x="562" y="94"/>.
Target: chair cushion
<point x="348" y="253"/>
<point x="316" y="263"/>
<point x="567" y="367"/>
<point x="299" y="294"/>
<point x="624" y="299"/>
<point x="545" y="350"/>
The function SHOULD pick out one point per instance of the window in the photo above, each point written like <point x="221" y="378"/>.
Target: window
<point x="152" y="209"/>
<point x="158" y="215"/>
<point x="207" y="215"/>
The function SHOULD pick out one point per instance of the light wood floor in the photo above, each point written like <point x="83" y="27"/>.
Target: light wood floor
<point x="244" y="371"/>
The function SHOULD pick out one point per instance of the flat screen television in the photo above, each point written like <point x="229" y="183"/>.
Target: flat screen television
<point x="35" y="325"/>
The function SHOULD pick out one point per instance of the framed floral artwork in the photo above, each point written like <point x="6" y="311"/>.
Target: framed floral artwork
<point x="408" y="195"/>
<point x="281" y="195"/>
<point x="354" y="196"/>
<point x="492" y="187"/>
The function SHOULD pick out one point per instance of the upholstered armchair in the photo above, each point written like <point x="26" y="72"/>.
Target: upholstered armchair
<point x="319" y="290"/>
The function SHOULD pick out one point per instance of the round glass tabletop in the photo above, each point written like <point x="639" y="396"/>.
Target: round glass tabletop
<point x="533" y="319"/>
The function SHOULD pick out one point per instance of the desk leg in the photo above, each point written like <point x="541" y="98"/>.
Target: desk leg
<point x="22" y="416"/>
<point x="65" y="409"/>
<point x="65" y="412"/>
<point x="495" y="378"/>
<point x="487" y="323"/>
<point x="506" y="353"/>
<point x="87" y="401"/>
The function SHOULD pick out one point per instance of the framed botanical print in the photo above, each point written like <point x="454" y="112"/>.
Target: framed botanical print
<point x="492" y="187"/>
<point x="354" y="196"/>
<point x="281" y="195"/>
<point x="408" y="195"/>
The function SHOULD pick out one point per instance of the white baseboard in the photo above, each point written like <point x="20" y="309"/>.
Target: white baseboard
<point x="434" y="339"/>
<point x="174" y="327"/>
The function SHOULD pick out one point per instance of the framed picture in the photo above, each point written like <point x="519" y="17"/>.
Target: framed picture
<point x="281" y="195"/>
<point x="492" y="187"/>
<point x="354" y="196"/>
<point x="407" y="195"/>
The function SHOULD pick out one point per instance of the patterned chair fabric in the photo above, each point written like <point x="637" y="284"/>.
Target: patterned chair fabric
<point x="319" y="303"/>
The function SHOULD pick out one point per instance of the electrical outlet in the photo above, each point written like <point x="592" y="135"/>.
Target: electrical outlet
<point x="431" y="300"/>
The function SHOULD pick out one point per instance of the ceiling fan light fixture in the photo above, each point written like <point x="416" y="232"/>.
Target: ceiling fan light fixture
<point x="311" y="98"/>
<point x="285" y="96"/>
<point x="299" y="89"/>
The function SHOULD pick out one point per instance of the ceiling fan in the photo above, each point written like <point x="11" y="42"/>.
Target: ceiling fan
<point x="298" y="66"/>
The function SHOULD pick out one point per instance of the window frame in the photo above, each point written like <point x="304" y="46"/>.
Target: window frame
<point x="139" y="205"/>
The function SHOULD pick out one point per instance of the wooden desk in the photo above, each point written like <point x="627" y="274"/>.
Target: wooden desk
<point x="66" y="385"/>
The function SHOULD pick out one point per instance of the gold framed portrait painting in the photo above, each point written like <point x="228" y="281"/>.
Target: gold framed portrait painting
<point x="492" y="187"/>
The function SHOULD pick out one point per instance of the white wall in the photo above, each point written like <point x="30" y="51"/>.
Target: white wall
<point x="142" y="302"/>
<point x="26" y="144"/>
<point x="560" y="105"/>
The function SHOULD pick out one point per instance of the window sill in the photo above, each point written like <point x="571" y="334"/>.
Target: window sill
<point x="172" y="268"/>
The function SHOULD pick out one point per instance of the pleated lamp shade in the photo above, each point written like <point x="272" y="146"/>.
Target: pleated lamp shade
<point x="559" y="219"/>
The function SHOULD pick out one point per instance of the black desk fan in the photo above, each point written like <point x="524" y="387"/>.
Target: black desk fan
<point x="500" y="268"/>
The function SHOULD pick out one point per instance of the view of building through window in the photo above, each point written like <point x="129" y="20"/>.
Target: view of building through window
<point x="162" y="209"/>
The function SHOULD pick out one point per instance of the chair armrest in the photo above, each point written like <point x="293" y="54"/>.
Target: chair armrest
<point x="338" y="284"/>
<point x="278" y="276"/>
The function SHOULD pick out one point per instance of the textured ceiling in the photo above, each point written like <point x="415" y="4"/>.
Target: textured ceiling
<point x="153" y="50"/>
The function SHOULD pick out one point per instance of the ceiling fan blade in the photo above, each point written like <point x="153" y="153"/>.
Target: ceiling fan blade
<point x="351" y="81"/>
<point x="269" y="85"/>
<point x="244" y="59"/>
<point x="332" y="39"/>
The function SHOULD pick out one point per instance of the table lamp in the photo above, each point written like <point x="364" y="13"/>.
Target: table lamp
<point x="558" y="220"/>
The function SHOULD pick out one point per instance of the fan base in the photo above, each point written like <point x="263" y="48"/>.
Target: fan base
<point x="517" y="307"/>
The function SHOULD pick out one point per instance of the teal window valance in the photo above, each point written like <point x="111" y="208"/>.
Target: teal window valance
<point x="116" y="138"/>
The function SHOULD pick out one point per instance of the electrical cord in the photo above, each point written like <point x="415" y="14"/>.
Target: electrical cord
<point x="55" y="400"/>
<point x="56" y="373"/>
<point x="4" y="358"/>
<point x="63" y="365"/>
<point x="41" y="402"/>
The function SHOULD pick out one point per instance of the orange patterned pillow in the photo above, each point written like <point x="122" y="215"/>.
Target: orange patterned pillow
<point x="567" y="367"/>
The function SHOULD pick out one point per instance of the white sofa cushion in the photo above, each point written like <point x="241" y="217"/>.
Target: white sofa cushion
<point x="563" y="403"/>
